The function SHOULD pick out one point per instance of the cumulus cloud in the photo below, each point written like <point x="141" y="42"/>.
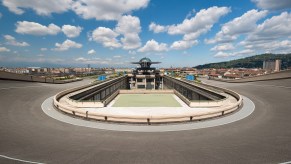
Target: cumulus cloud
<point x="91" y="52"/>
<point x="33" y="28"/>
<point x="271" y="35"/>
<point x="183" y="44"/>
<point x="4" y="49"/>
<point x="81" y="59"/>
<point x="129" y="27"/>
<point x="273" y="28"/>
<point x="273" y="4"/>
<point x="67" y="44"/>
<point x="106" y="10"/>
<point x="240" y="25"/>
<point x="157" y="28"/>
<point x="41" y="7"/>
<point x="107" y="61"/>
<point x="43" y="49"/>
<point x="98" y="9"/>
<point x="117" y="56"/>
<point x="223" y="47"/>
<point x="192" y="27"/>
<point x="202" y="21"/>
<point x="132" y="52"/>
<point x="153" y="45"/>
<point x="106" y="37"/>
<point x="269" y="46"/>
<point x="222" y="54"/>
<point x="71" y="31"/>
<point x="10" y="40"/>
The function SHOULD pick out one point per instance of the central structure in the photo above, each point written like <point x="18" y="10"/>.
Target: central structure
<point x="135" y="97"/>
<point x="145" y="76"/>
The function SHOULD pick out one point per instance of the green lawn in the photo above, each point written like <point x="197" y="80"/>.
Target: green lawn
<point x="146" y="100"/>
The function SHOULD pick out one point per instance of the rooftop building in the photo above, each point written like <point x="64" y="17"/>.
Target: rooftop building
<point x="146" y="77"/>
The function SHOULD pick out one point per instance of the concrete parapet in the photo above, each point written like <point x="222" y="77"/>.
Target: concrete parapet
<point x="286" y="74"/>
<point x="30" y="78"/>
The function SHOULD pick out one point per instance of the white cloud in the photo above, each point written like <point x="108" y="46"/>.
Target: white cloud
<point x="192" y="28"/>
<point x="98" y="9"/>
<point x="81" y="59"/>
<point x="10" y="40"/>
<point x="273" y="4"/>
<point x="222" y="54"/>
<point x="195" y="26"/>
<point x="132" y="52"/>
<point x="129" y="27"/>
<point x="223" y="47"/>
<point x="107" y="61"/>
<point x="34" y="28"/>
<point x="4" y="49"/>
<point x="271" y="35"/>
<point x="117" y="56"/>
<point x="91" y="52"/>
<point x="182" y="44"/>
<point x="270" y="46"/>
<point x="200" y="23"/>
<point x="106" y="37"/>
<point x="240" y="25"/>
<point x="152" y="45"/>
<point x="71" y="31"/>
<point x="157" y="28"/>
<point x="243" y="52"/>
<point x="274" y="28"/>
<point x="67" y="44"/>
<point x="106" y="10"/>
<point x="41" y="7"/>
<point x="43" y="49"/>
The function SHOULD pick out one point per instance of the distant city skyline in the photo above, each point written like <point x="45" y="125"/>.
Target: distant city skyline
<point x="67" y="33"/>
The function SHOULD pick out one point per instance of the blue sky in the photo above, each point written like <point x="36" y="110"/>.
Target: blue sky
<point x="112" y="33"/>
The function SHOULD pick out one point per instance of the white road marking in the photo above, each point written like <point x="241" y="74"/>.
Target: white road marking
<point x="289" y="162"/>
<point x="16" y="159"/>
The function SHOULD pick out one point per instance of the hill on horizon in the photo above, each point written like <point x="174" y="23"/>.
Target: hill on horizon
<point x="250" y="62"/>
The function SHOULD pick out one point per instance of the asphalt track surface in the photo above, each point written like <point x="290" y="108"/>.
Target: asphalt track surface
<point x="27" y="134"/>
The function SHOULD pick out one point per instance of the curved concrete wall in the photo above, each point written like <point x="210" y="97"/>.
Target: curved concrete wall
<point x="187" y="116"/>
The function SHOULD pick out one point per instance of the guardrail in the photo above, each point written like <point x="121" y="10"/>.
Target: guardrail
<point x="186" y="116"/>
<point x="198" y="89"/>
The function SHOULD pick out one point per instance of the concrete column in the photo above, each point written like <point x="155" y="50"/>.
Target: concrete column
<point x="154" y="83"/>
<point x="145" y="83"/>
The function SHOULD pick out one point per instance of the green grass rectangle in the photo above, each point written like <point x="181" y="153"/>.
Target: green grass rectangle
<point x="146" y="100"/>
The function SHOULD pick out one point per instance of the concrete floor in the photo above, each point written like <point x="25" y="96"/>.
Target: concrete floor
<point x="27" y="133"/>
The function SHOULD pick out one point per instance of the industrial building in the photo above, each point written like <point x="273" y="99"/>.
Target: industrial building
<point x="272" y="65"/>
